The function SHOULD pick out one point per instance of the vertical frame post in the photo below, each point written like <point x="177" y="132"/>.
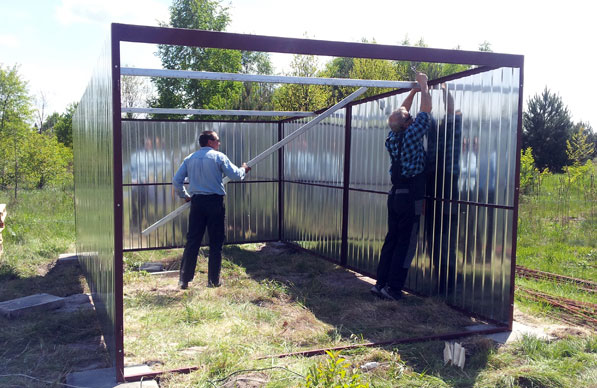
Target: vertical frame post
<point x="118" y="201"/>
<point x="280" y="183"/>
<point x="346" y="185"/>
<point x="516" y="199"/>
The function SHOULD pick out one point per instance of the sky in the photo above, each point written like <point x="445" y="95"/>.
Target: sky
<point x="57" y="43"/>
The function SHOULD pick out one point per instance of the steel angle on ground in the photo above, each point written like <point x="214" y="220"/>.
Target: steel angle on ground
<point x="279" y="79"/>
<point x="267" y="152"/>
<point x="178" y="111"/>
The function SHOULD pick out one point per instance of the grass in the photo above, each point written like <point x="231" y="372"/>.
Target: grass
<point x="273" y="303"/>
<point x="557" y="232"/>
<point x="44" y="346"/>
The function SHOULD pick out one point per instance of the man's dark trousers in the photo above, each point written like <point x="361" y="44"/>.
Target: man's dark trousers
<point x="391" y="270"/>
<point x="207" y="211"/>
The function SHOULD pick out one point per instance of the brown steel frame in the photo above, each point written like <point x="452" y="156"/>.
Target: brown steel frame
<point x="222" y="40"/>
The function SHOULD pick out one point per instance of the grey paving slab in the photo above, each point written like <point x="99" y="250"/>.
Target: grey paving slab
<point x="30" y="304"/>
<point x="106" y="378"/>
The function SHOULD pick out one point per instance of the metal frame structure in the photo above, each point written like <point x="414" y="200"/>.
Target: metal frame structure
<point x="98" y="131"/>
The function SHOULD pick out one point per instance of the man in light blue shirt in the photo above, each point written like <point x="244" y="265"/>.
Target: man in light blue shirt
<point x="204" y="168"/>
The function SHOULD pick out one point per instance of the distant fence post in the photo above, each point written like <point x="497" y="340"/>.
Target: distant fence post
<point x="2" y="218"/>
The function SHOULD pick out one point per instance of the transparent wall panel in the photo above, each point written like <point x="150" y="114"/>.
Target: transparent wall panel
<point x="316" y="156"/>
<point x="94" y="193"/>
<point x="313" y="218"/>
<point x="367" y="227"/>
<point x="464" y="250"/>
<point x="153" y="151"/>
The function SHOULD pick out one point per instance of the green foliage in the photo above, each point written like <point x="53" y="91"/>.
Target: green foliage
<point x="46" y="162"/>
<point x="15" y="102"/>
<point x="301" y="97"/>
<point x="579" y="148"/>
<point x="204" y="15"/>
<point x="528" y="171"/>
<point x="333" y="372"/>
<point x="256" y="96"/>
<point x="546" y="128"/>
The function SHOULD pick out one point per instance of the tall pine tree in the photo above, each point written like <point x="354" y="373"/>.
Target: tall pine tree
<point x="546" y="128"/>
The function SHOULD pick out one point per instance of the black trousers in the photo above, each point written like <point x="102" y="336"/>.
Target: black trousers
<point x="399" y="245"/>
<point x="207" y="211"/>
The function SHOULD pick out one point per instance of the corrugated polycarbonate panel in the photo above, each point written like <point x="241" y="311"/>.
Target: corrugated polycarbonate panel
<point x="313" y="218"/>
<point x="317" y="156"/>
<point x="464" y="250"/>
<point x="94" y="193"/>
<point x="314" y="162"/>
<point x="153" y="151"/>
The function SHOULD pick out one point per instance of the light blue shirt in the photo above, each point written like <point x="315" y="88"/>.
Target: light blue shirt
<point x="204" y="168"/>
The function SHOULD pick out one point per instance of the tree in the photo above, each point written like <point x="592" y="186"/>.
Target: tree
<point x="135" y="92"/>
<point x="293" y="97"/>
<point x="15" y="102"/>
<point x="15" y="116"/>
<point x="44" y="161"/>
<point x="591" y="136"/>
<point x="40" y="111"/>
<point x="256" y="96"/>
<point x="579" y="148"/>
<point x="406" y="69"/>
<point x="546" y="128"/>
<point x="181" y="93"/>
<point x="64" y="126"/>
<point x="51" y="120"/>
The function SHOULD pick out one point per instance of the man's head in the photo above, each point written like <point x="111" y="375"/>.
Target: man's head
<point x="209" y="139"/>
<point x="400" y="119"/>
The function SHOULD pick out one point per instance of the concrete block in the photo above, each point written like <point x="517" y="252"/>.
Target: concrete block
<point x="76" y="302"/>
<point x="30" y="304"/>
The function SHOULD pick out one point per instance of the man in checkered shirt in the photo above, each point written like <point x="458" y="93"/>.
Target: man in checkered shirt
<point x="405" y="199"/>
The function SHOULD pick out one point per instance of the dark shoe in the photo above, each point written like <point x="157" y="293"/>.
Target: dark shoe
<point x="213" y="285"/>
<point x="183" y="285"/>
<point x="391" y="294"/>
<point x="376" y="290"/>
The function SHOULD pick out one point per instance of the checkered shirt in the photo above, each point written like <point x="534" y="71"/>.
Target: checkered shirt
<point x="412" y="156"/>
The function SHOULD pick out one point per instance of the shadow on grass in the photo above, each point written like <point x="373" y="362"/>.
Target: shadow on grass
<point x="60" y="280"/>
<point x="50" y="344"/>
<point x="342" y="298"/>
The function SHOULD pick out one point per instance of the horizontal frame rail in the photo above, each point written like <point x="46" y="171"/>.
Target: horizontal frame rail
<point x="277" y="79"/>
<point x="204" y="112"/>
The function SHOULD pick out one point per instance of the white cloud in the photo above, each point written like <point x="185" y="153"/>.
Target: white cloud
<point x="145" y="12"/>
<point x="9" y="41"/>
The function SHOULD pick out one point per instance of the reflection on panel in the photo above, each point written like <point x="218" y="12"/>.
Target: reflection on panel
<point x="317" y="156"/>
<point x="94" y="195"/>
<point x="367" y="226"/>
<point x="313" y="218"/>
<point x="153" y="151"/>
<point x="464" y="248"/>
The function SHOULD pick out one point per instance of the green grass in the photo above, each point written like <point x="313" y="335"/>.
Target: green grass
<point x="44" y="346"/>
<point x="557" y="232"/>
<point x="278" y="303"/>
<point x="40" y="225"/>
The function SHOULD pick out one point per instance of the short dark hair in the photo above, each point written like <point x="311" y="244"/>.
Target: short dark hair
<point x="206" y="136"/>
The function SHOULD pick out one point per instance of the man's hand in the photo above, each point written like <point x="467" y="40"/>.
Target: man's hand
<point x="421" y="79"/>
<point x="425" y="96"/>
<point x="187" y="199"/>
<point x="247" y="168"/>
